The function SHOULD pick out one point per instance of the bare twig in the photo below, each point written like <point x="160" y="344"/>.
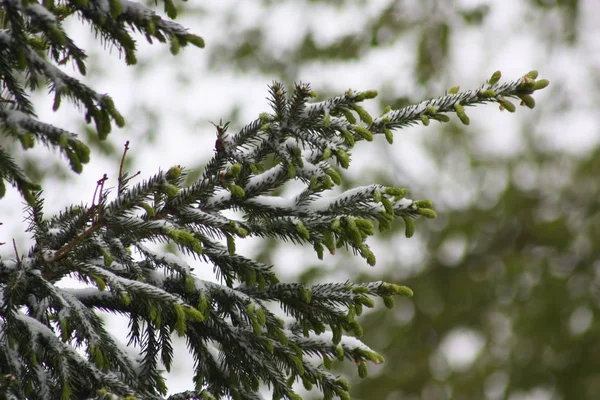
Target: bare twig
<point x="16" y="251"/>
<point x="121" y="178"/>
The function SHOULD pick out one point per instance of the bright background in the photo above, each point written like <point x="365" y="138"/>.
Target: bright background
<point x="506" y="280"/>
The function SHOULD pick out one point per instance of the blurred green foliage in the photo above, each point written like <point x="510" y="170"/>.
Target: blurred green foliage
<point x="515" y="269"/>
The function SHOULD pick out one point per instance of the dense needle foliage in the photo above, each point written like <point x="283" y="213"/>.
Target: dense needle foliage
<point x="249" y="329"/>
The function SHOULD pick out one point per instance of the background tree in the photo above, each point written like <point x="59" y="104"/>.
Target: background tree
<point x="507" y="272"/>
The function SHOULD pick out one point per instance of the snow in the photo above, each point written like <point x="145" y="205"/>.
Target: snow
<point x="87" y="292"/>
<point x="272" y="202"/>
<point x="168" y="258"/>
<point x="103" y="5"/>
<point x="48" y="255"/>
<point x="5" y="38"/>
<point x="136" y="10"/>
<point x="14" y="117"/>
<point x="222" y="196"/>
<point x="41" y="12"/>
<point x="323" y="204"/>
<point x="403" y="203"/>
<point x="265" y="178"/>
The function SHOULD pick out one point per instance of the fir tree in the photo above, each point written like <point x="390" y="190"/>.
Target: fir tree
<point x="246" y="331"/>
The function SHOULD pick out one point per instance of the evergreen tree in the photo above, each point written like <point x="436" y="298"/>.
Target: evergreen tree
<point x="248" y="330"/>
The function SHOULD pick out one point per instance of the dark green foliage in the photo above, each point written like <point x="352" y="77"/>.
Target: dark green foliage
<point x="32" y="46"/>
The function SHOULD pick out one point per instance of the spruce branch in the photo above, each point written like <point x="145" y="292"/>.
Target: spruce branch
<point x="248" y="328"/>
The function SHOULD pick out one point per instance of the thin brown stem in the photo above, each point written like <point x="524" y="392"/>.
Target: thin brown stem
<point x="121" y="167"/>
<point x="16" y="251"/>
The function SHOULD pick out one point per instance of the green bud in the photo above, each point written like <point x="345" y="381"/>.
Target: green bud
<point x="80" y="66"/>
<point x="386" y="110"/>
<point x="193" y="314"/>
<point x="151" y="28"/>
<point x="230" y="244"/>
<point x="528" y="101"/>
<point x="234" y="170"/>
<point x="363" y="114"/>
<point x="180" y="325"/>
<point x="204" y="305"/>
<point x="326" y="119"/>
<point x="400" y="193"/>
<point x="376" y="196"/>
<point x="441" y="117"/>
<point x="318" y="249"/>
<point x="63" y="140"/>
<point x="364" y="133"/>
<point x="169" y="189"/>
<point x="327" y="363"/>
<point x="409" y="226"/>
<point x="56" y="104"/>
<point x="342" y="158"/>
<point x="302" y="230"/>
<point x="532" y="74"/>
<point x="175" y="46"/>
<point x="389" y="136"/>
<point x="237" y="191"/>
<point x="326" y="153"/>
<point x="353" y="232"/>
<point x="495" y="78"/>
<point x="387" y="205"/>
<point x="130" y="58"/>
<point x="423" y="204"/>
<point x="388" y="301"/>
<point x="108" y="259"/>
<point x="116" y="8"/>
<point x="291" y="171"/>
<point x="83" y="152"/>
<point x="170" y="9"/>
<point x="348" y="115"/>
<point x="427" y="213"/>
<point x="306" y="295"/>
<point x="329" y="241"/>
<point x="348" y="138"/>
<point x="74" y="161"/>
<point x="362" y="370"/>
<point x="195" y="40"/>
<point x="365" y="226"/>
<point x="173" y="173"/>
<point x="368" y="255"/>
<point x="506" y="105"/>
<point x="488" y="94"/>
<point x="460" y="111"/>
<point x="57" y="36"/>
<point x="454" y="90"/>
<point x="542" y="83"/>
<point x="369" y="94"/>
<point x="27" y="141"/>
<point x="335" y="176"/>
<point x="424" y="119"/>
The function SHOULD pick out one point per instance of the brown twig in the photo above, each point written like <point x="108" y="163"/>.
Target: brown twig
<point x="121" y="179"/>
<point x="16" y="251"/>
<point x="95" y="210"/>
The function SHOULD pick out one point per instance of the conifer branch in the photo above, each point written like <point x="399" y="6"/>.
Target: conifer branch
<point x="236" y="336"/>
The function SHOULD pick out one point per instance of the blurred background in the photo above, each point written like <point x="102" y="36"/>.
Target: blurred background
<point x="506" y="279"/>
